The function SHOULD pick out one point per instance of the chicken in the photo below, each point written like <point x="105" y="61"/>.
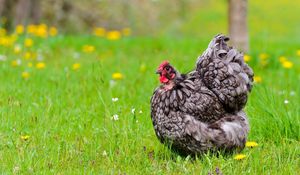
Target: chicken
<point x="203" y="110"/>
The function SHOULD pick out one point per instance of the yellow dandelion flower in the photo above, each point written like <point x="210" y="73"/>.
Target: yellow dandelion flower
<point x="34" y="55"/>
<point x="287" y="64"/>
<point x="29" y="64"/>
<point x="25" y="75"/>
<point x="7" y="40"/>
<point x="27" y="55"/>
<point x="126" y="31"/>
<point x="117" y="76"/>
<point x="28" y="42"/>
<point x="41" y="31"/>
<point x="53" y="31"/>
<point x="298" y="52"/>
<point x="282" y="59"/>
<point x="113" y="35"/>
<point x="19" y="29"/>
<point x="25" y="137"/>
<point x="88" y="48"/>
<point x="99" y="31"/>
<point x="40" y="65"/>
<point x="239" y="156"/>
<point x="257" y="79"/>
<point x="2" y="41"/>
<point x="16" y="63"/>
<point x="76" y="66"/>
<point x="247" y="58"/>
<point x="251" y="144"/>
<point x="264" y="62"/>
<point x="31" y="28"/>
<point x="263" y="56"/>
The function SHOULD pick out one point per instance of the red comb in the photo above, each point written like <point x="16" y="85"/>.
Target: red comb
<point x="163" y="64"/>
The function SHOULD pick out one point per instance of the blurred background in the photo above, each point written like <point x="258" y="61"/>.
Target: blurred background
<point x="150" y="17"/>
<point x="262" y="20"/>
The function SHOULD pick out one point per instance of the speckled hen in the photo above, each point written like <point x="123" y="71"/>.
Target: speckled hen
<point x="203" y="110"/>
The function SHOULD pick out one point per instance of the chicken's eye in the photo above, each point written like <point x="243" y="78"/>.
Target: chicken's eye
<point x="167" y="68"/>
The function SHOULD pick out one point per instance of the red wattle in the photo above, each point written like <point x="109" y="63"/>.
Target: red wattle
<point x="163" y="79"/>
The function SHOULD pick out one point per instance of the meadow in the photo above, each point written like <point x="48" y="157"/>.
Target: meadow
<point x="81" y="104"/>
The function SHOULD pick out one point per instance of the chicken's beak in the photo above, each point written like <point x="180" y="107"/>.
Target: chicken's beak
<point x="158" y="72"/>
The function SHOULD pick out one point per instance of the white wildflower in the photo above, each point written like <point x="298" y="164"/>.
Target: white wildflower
<point x="112" y="83"/>
<point x="292" y="93"/>
<point x="16" y="169"/>
<point x="17" y="48"/>
<point x="286" y="101"/>
<point x="2" y="58"/>
<point x="19" y="61"/>
<point x="140" y="111"/>
<point x="115" y="117"/>
<point x="133" y="110"/>
<point x="40" y="57"/>
<point x="115" y="99"/>
<point x="76" y="55"/>
<point x="104" y="153"/>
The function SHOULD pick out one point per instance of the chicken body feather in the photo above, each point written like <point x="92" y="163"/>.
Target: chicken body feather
<point x="224" y="72"/>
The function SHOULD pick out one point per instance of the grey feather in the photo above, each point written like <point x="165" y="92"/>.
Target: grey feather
<point x="204" y="110"/>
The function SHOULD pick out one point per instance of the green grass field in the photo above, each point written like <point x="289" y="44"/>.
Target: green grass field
<point x="57" y="117"/>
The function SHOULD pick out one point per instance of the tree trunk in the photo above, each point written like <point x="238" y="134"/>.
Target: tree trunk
<point x="28" y="11"/>
<point x="2" y="6"/>
<point x="238" y="29"/>
<point x="22" y="11"/>
<point x="35" y="11"/>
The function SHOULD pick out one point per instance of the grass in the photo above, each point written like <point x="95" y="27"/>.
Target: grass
<point x="67" y="114"/>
